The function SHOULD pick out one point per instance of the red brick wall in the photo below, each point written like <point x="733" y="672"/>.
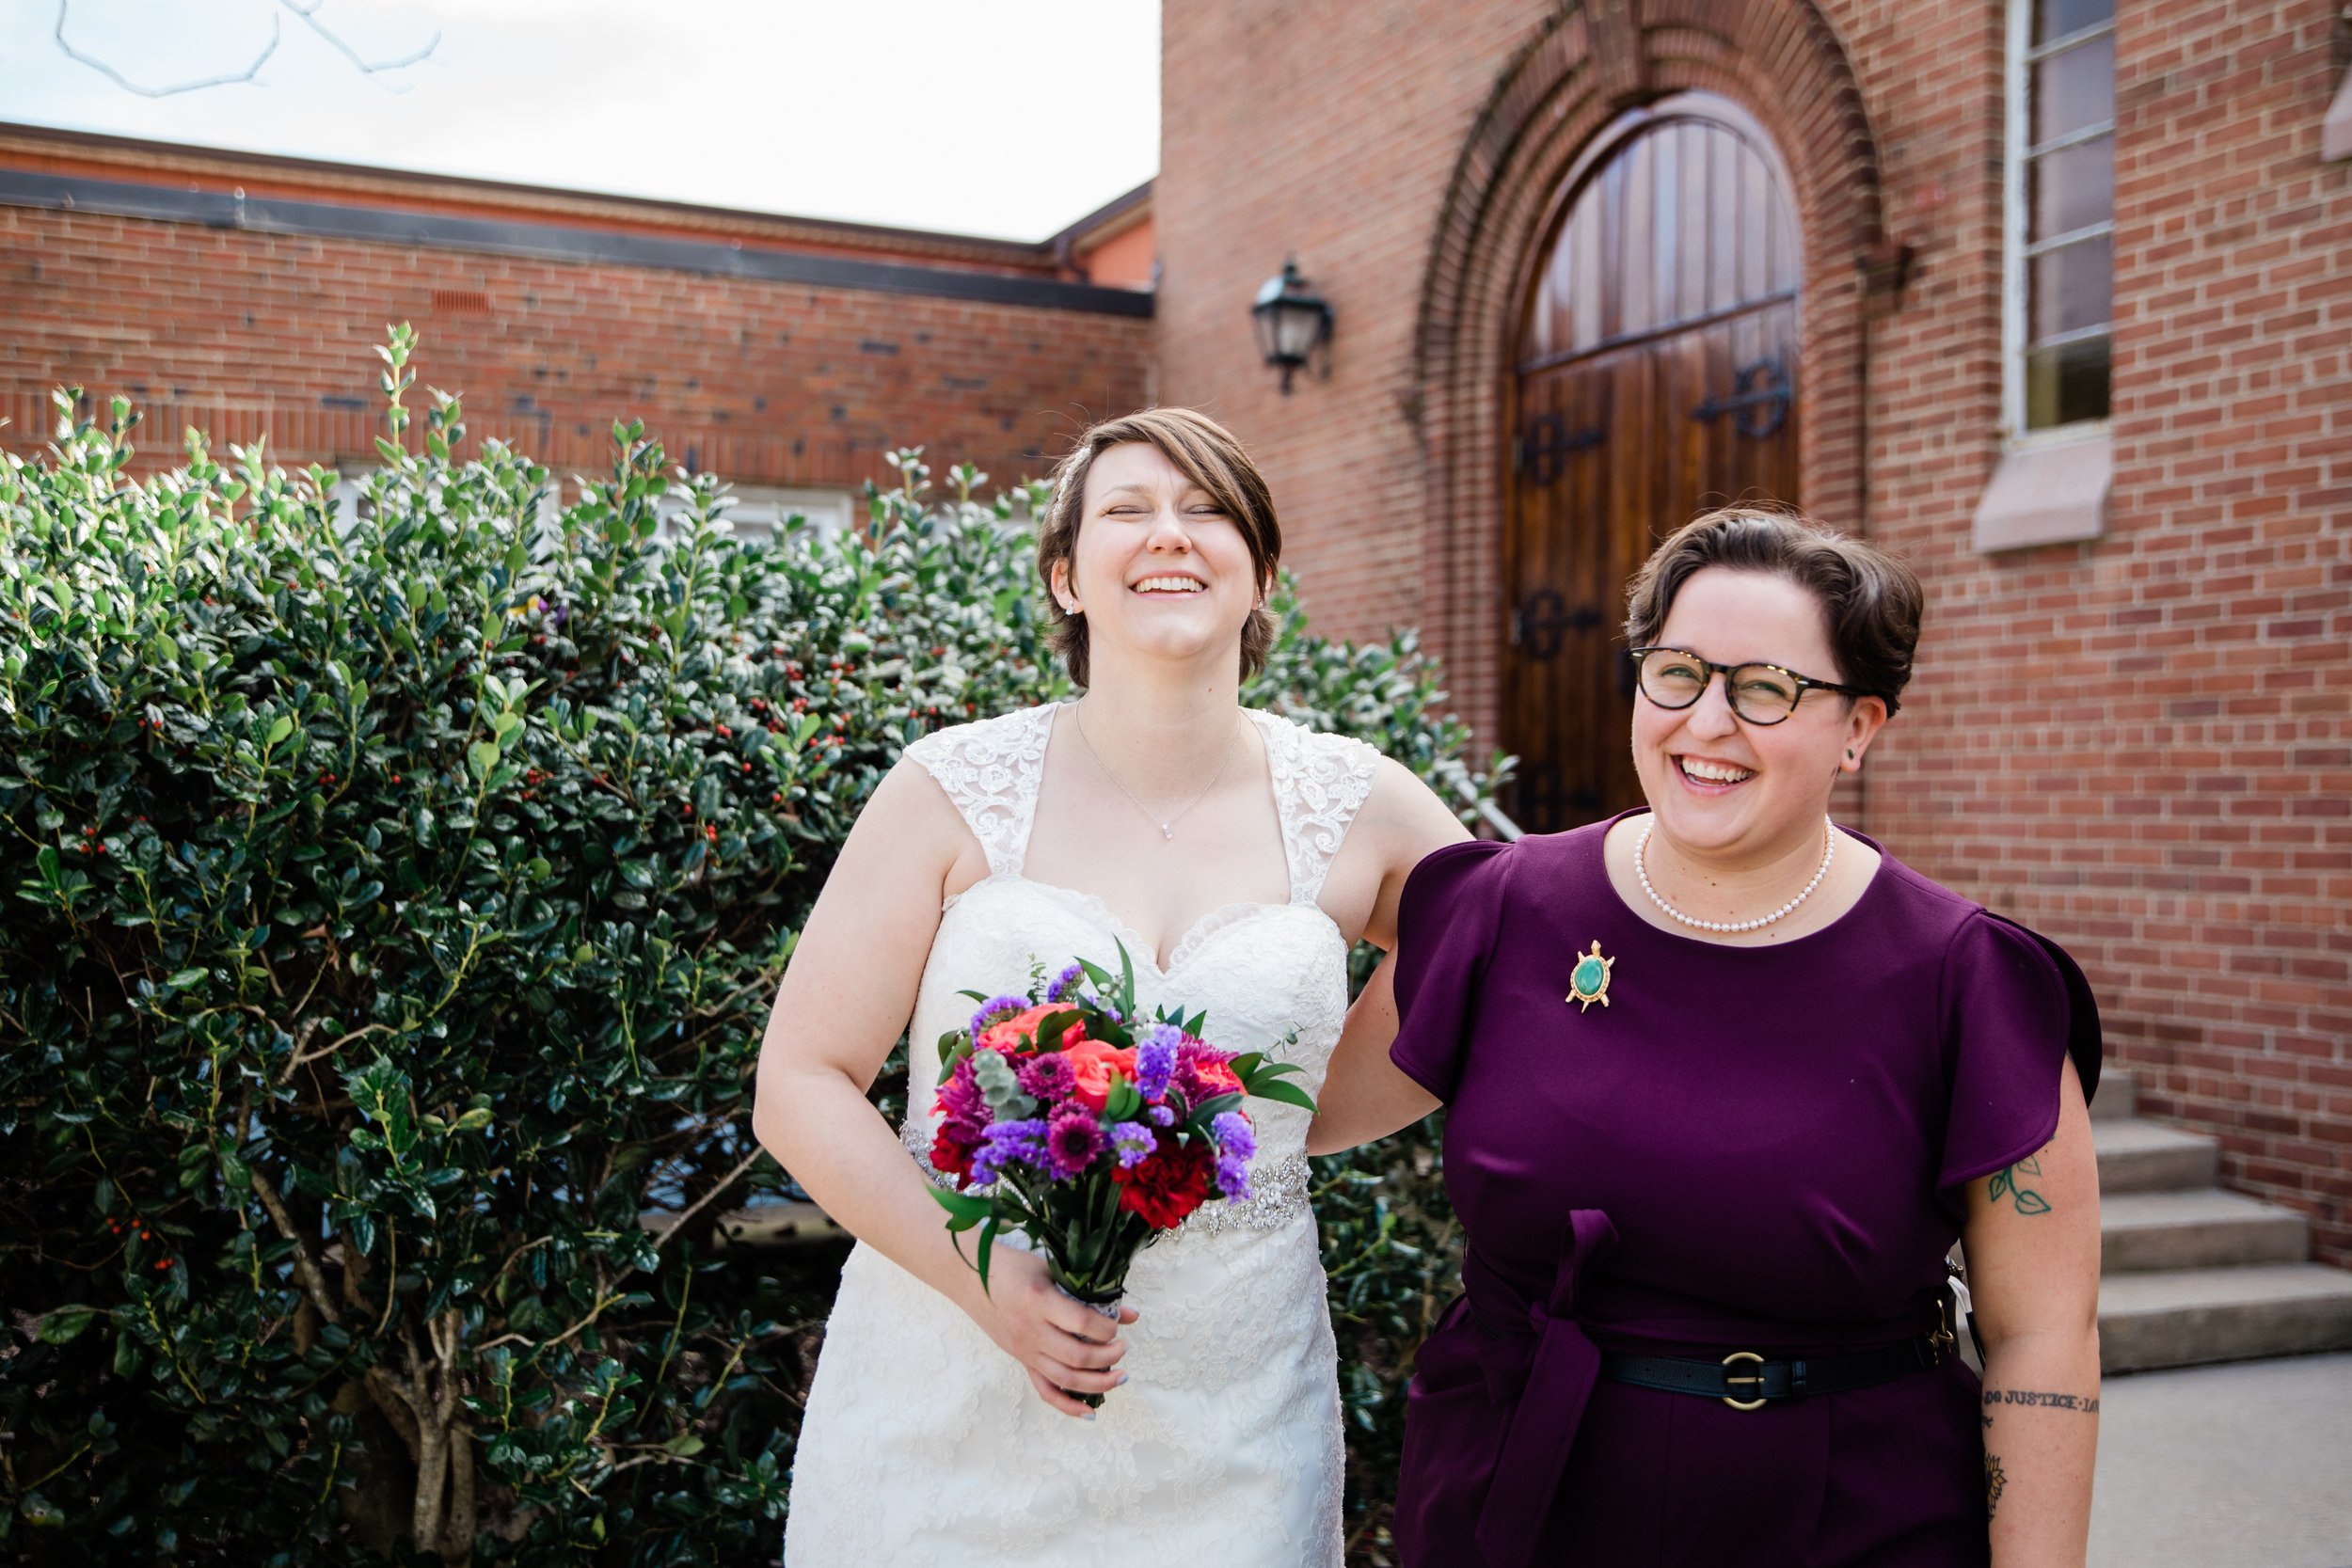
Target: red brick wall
<point x="2141" y="745"/>
<point x="2144" y="745"/>
<point x="1325" y="130"/>
<point x="761" y="382"/>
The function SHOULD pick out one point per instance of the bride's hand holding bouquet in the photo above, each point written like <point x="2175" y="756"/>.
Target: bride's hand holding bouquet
<point x="1092" y="1132"/>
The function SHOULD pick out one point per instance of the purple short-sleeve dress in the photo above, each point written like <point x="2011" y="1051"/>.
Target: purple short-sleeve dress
<point x="1744" y="1149"/>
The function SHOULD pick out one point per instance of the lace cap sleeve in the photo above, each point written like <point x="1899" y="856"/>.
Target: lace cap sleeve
<point x="1446" y="921"/>
<point x="1319" y="783"/>
<point x="2015" y="1008"/>
<point x="989" y="771"/>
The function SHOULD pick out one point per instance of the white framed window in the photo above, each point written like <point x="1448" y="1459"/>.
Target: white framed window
<point x="2059" y="251"/>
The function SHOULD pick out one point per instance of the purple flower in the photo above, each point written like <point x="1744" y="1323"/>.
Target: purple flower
<point x="1155" y="1061"/>
<point x="997" y="1007"/>
<point x="1232" y="1178"/>
<point x="1072" y="1142"/>
<point x="1162" y="1117"/>
<point x="1133" y="1142"/>
<point x="1236" y="1140"/>
<point x="1008" y="1143"/>
<point x="959" y="1096"/>
<point x="1064" y="983"/>
<point x="1048" y="1077"/>
<point x="1234" y="1134"/>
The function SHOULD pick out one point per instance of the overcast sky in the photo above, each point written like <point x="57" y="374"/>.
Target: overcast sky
<point x="1008" y="117"/>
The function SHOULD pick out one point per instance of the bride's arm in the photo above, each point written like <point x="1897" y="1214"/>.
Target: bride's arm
<point x="846" y="996"/>
<point x="1364" y="1095"/>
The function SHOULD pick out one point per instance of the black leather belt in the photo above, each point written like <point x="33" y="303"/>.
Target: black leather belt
<point x="1745" y="1381"/>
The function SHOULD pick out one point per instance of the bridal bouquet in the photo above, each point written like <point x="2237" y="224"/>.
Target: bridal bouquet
<point x="1091" y="1131"/>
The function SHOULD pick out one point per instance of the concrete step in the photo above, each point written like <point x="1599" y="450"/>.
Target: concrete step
<point x="2141" y="1233"/>
<point x="2118" y="1097"/>
<point x="2136" y="1156"/>
<point x="2183" y="1316"/>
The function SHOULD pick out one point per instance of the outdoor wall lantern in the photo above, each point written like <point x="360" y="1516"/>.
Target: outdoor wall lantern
<point x="1293" y="321"/>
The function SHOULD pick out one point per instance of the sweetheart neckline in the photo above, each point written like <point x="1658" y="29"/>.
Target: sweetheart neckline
<point x="1193" y="937"/>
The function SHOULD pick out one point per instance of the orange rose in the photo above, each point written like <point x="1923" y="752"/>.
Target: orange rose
<point x="1097" y="1067"/>
<point x="1010" y="1034"/>
<point x="1215" y="1078"/>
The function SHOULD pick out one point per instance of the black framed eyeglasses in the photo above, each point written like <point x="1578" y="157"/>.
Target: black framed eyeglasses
<point x="1759" y="693"/>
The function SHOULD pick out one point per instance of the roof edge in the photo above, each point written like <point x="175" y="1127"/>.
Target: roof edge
<point x="149" y="161"/>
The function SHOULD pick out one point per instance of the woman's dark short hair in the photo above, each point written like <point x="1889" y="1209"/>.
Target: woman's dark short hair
<point x="1204" y="452"/>
<point x="1872" y="601"/>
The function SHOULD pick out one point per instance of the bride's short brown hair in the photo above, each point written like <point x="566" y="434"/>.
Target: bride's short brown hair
<point x="1204" y="452"/>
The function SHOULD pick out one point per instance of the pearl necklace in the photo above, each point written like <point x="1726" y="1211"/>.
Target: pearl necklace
<point x="1641" y="855"/>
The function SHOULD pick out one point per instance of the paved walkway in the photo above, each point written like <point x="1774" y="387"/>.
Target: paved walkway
<point x="2247" y="1466"/>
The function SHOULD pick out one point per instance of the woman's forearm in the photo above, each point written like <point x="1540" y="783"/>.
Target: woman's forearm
<point x="1363" y="1096"/>
<point x="2041" y="1423"/>
<point x="823" y="1130"/>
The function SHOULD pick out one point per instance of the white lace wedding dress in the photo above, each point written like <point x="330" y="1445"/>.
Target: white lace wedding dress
<point x="922" y="1442"/>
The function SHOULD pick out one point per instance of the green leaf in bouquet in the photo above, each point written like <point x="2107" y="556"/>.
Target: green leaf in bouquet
<point x="1284" y="1094"/>
<point x="964" y="1210"/>
<point x="1211" y="1108"/>
<point x="988" y="1241"/>
<point x="947" y="1044"/>
<point x="1125" y="1102"/>
<point x="995" y="1076"/>
<point x="1245" y="1063"/>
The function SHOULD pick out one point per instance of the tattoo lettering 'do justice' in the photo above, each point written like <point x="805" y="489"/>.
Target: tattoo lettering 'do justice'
<point x="2006" y="1183"/>
<point x="2087" y="1403"/>
<point x="1996" y="1482"/>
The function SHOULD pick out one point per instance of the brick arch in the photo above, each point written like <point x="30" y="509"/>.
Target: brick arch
<point x="1780" y="60"/>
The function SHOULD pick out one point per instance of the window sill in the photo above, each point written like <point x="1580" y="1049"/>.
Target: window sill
<point x="2050" y="493"/>
<point x="2335" y="132"/>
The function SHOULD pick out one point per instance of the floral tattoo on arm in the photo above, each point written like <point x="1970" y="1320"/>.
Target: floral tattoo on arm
<point x="2008" y="1182"/>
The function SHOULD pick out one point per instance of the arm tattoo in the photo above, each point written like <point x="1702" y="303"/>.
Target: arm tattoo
<point x="2006" y="1183"/>
<point x="1996" y="1482"/>
<point x="2087" y="1403"/>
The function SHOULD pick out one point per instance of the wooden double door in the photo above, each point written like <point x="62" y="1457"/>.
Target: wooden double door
<point x="1655" y="377"/>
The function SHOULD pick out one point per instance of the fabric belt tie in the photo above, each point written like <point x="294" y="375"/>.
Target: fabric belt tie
<point x="1538" y="1358"/>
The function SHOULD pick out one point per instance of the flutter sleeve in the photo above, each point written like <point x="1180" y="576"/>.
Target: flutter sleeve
<point x="1445" y="928"/>
<point x="2015" y="1008"/>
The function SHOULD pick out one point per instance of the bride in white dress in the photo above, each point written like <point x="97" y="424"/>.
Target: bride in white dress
<point x="1236" y="856"/>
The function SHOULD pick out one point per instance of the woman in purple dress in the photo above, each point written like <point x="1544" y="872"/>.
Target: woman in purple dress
<point x="1724" y="1082"/>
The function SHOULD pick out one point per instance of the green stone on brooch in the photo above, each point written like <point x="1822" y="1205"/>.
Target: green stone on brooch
<point x="1588" y="982"/>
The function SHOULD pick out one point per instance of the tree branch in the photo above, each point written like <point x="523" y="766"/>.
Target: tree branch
<point x="704" y="1202"/>
<point x="305" y="1267"/>
<point x="276" y="36"/>
<point x="310" y="16"/>
<point x="307" y="10"/>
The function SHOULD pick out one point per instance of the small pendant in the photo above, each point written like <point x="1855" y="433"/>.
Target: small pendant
<point x="1588" y="982"/>
<point x="1168" y="832"/>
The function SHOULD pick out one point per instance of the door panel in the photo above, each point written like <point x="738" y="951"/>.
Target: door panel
<point x="1657" y="378"/>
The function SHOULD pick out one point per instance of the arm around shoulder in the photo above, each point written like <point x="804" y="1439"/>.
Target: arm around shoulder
<point x="1364" y="1094"/>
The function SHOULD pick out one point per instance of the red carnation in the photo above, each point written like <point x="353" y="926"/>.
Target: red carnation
<point x="1170" y="1184"/>
<point x="952" y="1155"/>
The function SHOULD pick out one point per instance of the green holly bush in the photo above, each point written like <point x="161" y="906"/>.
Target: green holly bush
<point x="394" y="901"/>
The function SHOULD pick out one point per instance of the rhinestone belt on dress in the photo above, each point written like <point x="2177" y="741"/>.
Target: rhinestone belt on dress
<point x="1278" y="1191"/>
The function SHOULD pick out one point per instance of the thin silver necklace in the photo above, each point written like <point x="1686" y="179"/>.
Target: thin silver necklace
<point x="1167" y="828"/>
<point x="1640" y="869"/>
